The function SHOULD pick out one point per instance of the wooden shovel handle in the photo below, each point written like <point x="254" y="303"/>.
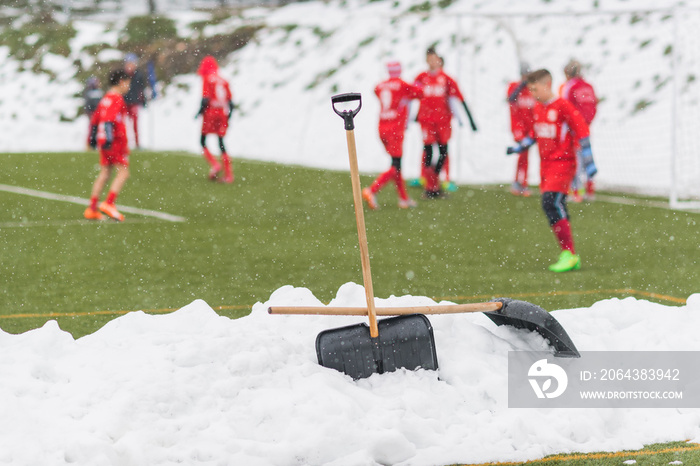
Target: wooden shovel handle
<point x="387" y="311"/>
<point x="370" y="311"/>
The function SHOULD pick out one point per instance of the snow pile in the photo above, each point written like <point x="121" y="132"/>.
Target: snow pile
<point x="193" y="387"/>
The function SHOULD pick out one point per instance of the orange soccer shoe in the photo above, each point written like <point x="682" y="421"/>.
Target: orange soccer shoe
<point x="370" y="199"/>
<point x="111" y="211"/>
<point x="92" y="214"/>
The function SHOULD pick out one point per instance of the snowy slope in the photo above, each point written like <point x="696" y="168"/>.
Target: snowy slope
<point x="309" y="51"/>
<point x="195" y="388"/>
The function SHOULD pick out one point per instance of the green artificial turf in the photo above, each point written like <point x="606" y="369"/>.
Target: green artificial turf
<point x="287" y="225"/>
<point x="656" y="454"/>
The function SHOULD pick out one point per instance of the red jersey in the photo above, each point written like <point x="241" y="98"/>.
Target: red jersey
<point x="520" y="111"/>
<point x="553" y="125"/>
<point x="217" y="90"/>
<point x="582" y="96"/>
<point x="216" y="115"/>
<point x="437" y="89"/>
<point x="111" y="108"/>
<point x="394" y="95"/>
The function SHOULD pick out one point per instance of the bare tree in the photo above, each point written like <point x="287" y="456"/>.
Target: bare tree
<point x="152" y="6"/>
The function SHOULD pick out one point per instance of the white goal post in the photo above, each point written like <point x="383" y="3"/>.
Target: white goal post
<point x="685" y="159"/>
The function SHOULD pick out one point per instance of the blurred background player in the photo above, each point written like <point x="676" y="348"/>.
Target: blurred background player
<point x="394" y="96"/>
<point x="435" y="118"/>
<point x="91" y="98"/>
<point x="136" y="96"/>
<point x="557" y="128"/>
<point x="521" y="102"/>
<point x="216" y="109"/>
<point x="582" y="95"/>
<point x="108" y="130"/>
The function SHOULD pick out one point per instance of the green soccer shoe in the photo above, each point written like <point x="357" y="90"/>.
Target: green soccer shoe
<point x="567" y="262"/>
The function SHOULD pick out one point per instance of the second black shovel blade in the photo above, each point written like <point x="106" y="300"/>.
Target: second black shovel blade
<point x="521" y="314"/>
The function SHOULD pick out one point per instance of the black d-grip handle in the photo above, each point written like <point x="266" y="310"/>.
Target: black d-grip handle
<point x="347" y="115"/>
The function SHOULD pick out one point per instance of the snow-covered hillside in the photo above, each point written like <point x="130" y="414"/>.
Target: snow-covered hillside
<point x="308" y="51"/>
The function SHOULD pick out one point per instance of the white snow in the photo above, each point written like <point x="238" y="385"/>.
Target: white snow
<point x="193" y="387"/>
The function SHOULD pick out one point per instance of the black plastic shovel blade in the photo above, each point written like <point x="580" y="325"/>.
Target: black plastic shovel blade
<point x="403" y="342"/>
<point x="521" y="314"/>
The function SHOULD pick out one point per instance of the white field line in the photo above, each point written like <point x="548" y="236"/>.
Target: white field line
<point x="81" y="201"/>
<point x="641" y="203"/>
<point x="66" y="223"/>
<point x="691" y="208"/>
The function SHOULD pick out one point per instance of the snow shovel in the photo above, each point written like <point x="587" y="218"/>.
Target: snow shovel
<point x="399" y="342"/>
<point x="502" y="311"/>
<point x="521" y="314"/>
<point x="406" y="341"/>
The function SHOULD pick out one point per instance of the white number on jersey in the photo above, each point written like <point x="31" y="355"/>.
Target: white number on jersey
<point x="545" y="130"/>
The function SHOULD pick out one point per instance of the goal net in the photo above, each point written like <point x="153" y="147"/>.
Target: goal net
<point x="644" y="66"/>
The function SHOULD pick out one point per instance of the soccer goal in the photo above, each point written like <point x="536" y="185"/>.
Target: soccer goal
<point x="643" y="64"/>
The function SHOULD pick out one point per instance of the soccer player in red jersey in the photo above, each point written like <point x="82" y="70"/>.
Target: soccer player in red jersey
<point x="582" y="95"/>
<point x="394" y="96"/>
<point x="216" y="109"/>
<point x="435" y="118"/>
<point x="108" y="130"/>
<point x="557" y="126"/>
<point x="520" y="102"/>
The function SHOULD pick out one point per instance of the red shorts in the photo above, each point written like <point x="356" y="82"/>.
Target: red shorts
<point x="215" y="121"/>
<point x="557" y="175"/>
<point x="391" y="135"/>
<point x="118" y="154"/>
<point x="436" y="132"/>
